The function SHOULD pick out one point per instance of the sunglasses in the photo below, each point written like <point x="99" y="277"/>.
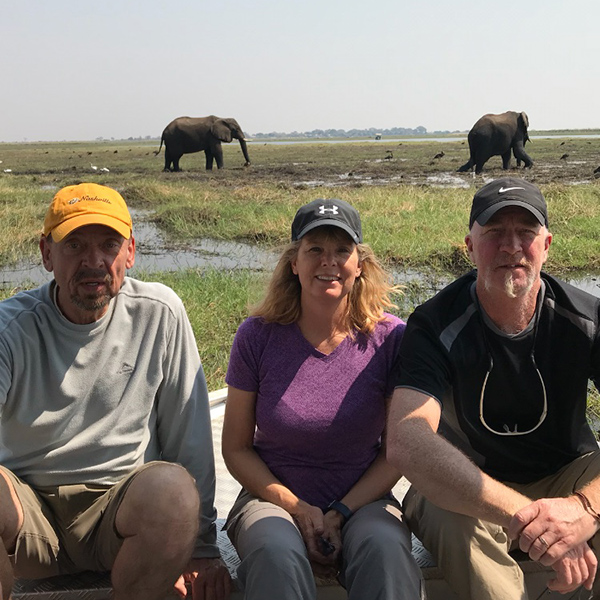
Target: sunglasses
<point x="512" y="428"/>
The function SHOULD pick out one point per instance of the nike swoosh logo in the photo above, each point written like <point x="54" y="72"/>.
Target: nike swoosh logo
<point x="503" y="189"/>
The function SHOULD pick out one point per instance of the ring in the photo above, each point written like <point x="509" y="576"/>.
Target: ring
<point x="543" y="541"/>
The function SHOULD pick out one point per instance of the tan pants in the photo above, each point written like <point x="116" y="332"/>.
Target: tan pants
<point x="473" y="554"/>
<point x="68" y="528"/>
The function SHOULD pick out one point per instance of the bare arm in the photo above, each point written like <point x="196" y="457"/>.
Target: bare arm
<point x="446" y="477"/>
<point x="441" y="472"/>
<point x="376" y="481"/>
<point x="255" y="476"/>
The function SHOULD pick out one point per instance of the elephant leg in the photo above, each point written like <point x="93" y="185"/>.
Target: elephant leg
<point x="467" y="166"/>
<point x="520" y="154"/>
<point x="479" y="164"/>
<point x="176" y="163"/>
<point x="168" y="160"/>
<point x="218" y="152"/>
<point x="506" y="159"/>
<point x="209" y="160"/>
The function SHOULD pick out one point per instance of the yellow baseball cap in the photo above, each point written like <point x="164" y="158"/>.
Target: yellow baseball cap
<point x="86" y="204"/>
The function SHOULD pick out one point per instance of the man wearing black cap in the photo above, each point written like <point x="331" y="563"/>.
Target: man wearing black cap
<point x="488" y="419"/>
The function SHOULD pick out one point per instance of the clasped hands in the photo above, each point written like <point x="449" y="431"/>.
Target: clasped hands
<point x="555" y="532"/>
<point x="322" y="535"/>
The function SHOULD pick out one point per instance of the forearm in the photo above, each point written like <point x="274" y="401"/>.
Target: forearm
<point x="375" y="482"/>
<point x="255" y="476"/>
<point x="448" y="478"/>
<point x="591" y="493"/>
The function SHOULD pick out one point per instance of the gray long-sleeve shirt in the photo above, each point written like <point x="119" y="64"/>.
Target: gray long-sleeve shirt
<point x="90" y="403"/>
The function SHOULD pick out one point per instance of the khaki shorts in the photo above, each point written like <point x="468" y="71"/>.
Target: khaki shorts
<point x="69" y="528"/>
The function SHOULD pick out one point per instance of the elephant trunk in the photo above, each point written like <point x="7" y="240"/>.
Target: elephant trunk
<point x="244" y="148"/>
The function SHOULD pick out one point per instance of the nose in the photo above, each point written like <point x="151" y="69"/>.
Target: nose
<point x="93" y="257"/>
<point x="510" y="242"/>
<point x="328" y="257"/>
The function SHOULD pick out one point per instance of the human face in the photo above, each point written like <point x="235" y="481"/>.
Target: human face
<point x="89" y="266"/>
<point x="509" y="251"/>
<point x="327" y="265"/>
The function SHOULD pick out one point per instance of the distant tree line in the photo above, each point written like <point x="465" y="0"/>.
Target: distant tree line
<point x="343" y="133"/>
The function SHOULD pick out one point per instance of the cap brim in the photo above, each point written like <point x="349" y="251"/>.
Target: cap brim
<point x="334" y="223"/>
<point x="64" y="229"/>
<point x="483" y="217"/>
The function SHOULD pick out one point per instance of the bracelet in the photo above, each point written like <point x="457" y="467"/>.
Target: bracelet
<point x="587" y="505"/>
<point x="341" y="508"/>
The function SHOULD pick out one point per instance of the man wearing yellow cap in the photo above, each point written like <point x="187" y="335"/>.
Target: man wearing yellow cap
<point x="102" y="403"/>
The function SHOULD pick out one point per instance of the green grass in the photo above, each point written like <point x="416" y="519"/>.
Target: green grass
<point x="411" y="226"/>
<point x="417" y="227"/>
<point x="216" y="303"/>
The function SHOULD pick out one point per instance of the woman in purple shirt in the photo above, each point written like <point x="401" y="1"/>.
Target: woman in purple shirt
<point x="309" y="379"/>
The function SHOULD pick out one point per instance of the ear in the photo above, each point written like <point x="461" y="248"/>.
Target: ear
<point x="221" y="130"/>
<point x="293" y="266"/>
<point x="46" y="250"/>
<point x="469" y="243"/>
<point x="525" y="119"/>
<point x="130" y="253"/>
<point x="547" y="243"/>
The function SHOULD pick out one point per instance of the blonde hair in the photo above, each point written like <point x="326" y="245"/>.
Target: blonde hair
<point x="367" y="300"/>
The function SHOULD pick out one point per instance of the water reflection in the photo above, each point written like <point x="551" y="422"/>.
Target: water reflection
<point x="155" y="254"/>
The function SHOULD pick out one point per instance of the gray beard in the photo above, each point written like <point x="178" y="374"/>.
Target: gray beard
<point x="91" y="304"/>
<point x="509" y="285"/>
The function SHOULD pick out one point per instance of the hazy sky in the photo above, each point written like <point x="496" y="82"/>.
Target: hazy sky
<point x="78" y="70"/>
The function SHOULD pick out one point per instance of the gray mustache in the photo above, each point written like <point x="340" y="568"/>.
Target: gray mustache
<point x="93" y="274"/>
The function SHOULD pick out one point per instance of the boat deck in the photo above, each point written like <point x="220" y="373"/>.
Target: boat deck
<point x="96" y="586"/>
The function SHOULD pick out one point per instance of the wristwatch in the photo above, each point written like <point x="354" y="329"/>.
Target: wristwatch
<point x="342" y="509"/>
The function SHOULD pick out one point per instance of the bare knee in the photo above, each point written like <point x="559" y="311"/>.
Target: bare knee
<point x="11" y="513"/>
<point x="162" y="496"/>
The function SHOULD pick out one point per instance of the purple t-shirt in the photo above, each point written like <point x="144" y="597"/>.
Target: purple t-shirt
<point x="319" y="418"/>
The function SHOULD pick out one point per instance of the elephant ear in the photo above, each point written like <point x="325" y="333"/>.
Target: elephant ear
<point x="221" y="130"/>
<point x="525" y="118"/>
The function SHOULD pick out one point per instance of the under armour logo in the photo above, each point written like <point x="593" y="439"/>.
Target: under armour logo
<point x="333" y="210"/>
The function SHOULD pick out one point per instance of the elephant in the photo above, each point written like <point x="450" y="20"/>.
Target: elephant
<point x="497" y="135"/>
<point x="187" y="134"/>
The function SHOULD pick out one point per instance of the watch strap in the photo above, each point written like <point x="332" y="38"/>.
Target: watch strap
<point x="341" y="508"/>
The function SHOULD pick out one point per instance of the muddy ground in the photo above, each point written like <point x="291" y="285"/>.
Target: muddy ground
<point x="568" y="161"/>
<point x="360" y="163"/>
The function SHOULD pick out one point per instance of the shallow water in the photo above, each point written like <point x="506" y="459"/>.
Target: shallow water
<point x="154" y="254"/>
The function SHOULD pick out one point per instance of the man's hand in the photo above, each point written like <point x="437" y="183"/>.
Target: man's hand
<point x="209" y="579"/>
<point x="548" y="528"/>
<point x="576" y="568"/>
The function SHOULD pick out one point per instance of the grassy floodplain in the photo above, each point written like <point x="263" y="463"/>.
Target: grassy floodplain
<point x="414" y="207"/>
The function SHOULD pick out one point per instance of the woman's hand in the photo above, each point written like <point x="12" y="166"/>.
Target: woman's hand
<point x="309" y="520"/>
<point x="311" y="523"/>
<point x="332" y="532"/>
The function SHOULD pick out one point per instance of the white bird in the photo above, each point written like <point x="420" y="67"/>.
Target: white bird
<point x="8" y="170"/>
<point x="105" y="170"/>
<point x="94" y="167"/>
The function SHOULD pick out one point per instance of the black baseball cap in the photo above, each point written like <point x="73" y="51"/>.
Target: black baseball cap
<point x="508" y="191"/>
<point x="327" y="212"/>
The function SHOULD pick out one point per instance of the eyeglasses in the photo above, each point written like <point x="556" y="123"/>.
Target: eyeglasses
<point x="506" y="428"/>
